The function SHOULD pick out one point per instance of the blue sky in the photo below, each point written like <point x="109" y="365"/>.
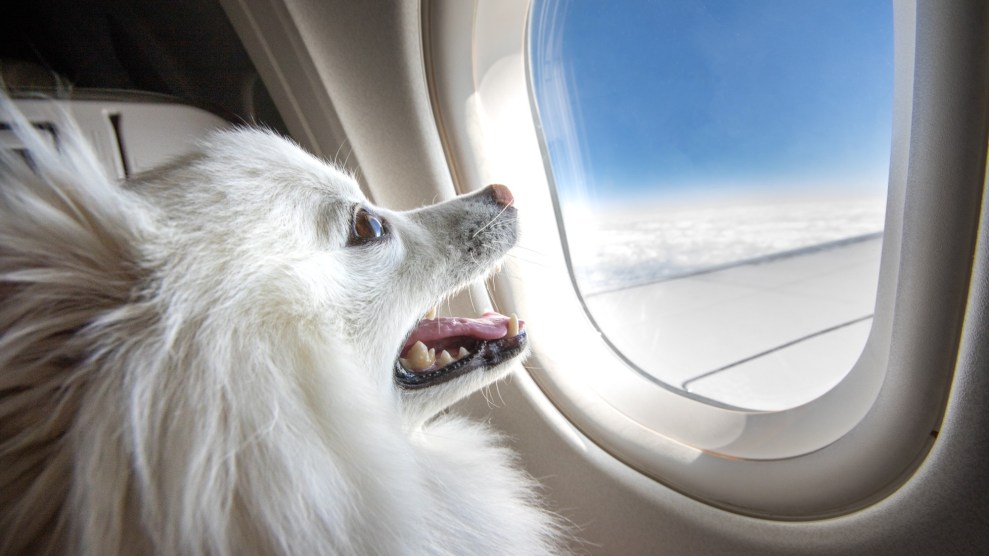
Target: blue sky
<point x="658" y="97"/>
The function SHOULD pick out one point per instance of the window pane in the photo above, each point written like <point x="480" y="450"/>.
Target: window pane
<point x="721" y="168"/>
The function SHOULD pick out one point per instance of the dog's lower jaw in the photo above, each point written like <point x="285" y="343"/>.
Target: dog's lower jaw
<point x="420" y="406"/>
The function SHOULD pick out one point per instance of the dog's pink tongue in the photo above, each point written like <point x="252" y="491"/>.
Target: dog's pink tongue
<point x="489" y="326"/>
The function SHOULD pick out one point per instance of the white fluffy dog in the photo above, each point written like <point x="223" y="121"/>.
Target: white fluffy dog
<point x="225" y="356"/>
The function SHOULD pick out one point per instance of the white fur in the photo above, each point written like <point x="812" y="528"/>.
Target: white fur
<point x="195" y="362"/>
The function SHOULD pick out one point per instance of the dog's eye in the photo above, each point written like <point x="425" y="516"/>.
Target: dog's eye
<point x="367" y="226"/>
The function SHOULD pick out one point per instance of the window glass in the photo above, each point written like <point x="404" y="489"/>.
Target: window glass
<point x="720" y="169"/>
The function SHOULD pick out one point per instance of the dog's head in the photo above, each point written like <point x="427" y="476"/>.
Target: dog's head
<point x="283" y="240"/>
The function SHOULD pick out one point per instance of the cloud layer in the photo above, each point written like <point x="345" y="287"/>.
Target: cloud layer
<point x="624" y="249"/>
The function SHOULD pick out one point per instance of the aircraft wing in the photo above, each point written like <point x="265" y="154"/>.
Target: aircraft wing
<point x="768" y="335"/>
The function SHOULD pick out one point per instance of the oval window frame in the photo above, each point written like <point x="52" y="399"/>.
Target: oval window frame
<point x="812" y="461"/>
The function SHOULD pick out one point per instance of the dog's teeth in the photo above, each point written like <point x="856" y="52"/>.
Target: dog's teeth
<point x="431" y="315"/>
<point x="405" y="362"/>
<point x="444" y="358"/>
<point x="513" y="326"/>
<point x="462" y="353"/>
<point x="419" y="357"/>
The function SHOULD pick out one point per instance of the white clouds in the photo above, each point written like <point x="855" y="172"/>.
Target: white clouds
<point x="623" y="249"/>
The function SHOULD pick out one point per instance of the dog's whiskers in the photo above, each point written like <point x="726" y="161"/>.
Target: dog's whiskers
<point x="527" y="260"/>
<point x="492" y="221"/>
<point x="336" y="155"/>
<point x="350" y="151"/>
<point x="533" y="367"/>
<point x="497" y="386"/>
<point x="521" y="247"/>
<point x="470" y="296"/>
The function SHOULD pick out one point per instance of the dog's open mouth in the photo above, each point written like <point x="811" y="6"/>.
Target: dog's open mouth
<point x="443" y="348"/>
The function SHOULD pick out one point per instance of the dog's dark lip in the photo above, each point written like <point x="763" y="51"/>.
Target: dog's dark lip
<point x="485" y="354"/>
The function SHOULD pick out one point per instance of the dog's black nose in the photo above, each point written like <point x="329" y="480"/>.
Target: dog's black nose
<point x="501" y="194"/>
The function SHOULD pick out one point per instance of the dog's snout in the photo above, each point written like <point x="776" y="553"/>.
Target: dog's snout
<point x="500" y="194"/>
<point x="472" y="230"/>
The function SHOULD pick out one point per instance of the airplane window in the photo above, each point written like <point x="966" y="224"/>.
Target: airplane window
<point x="720" y="170"/>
